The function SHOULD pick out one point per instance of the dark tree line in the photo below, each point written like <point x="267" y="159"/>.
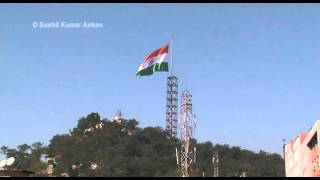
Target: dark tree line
<point x="99" y="147"/>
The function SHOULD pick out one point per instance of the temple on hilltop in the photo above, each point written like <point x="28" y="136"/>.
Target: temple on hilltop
<point x="118" y="117"/>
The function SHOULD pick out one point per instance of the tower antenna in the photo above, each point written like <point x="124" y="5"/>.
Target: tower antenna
<point x="187" y="129"/>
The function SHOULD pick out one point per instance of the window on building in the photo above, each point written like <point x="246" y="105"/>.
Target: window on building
<point x="313" y="141"/>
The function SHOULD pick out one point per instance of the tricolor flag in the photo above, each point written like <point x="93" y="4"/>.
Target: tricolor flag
<point x="155" y="61"/>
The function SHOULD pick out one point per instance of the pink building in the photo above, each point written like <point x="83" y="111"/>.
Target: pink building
<point x="302" y="154"/>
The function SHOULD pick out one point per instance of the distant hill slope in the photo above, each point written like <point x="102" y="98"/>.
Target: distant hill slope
<point x="99" y="147"/>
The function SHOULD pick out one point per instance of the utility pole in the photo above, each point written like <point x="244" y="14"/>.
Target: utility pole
<point x="215" y="161"/>
<point x="284" y="155"/>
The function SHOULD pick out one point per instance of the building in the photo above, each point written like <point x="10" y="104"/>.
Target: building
<point x="302" y="154"/>
<point x="118" y="117"/>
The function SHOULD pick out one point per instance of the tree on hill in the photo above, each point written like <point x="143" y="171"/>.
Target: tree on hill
<point x="27" y="157"/>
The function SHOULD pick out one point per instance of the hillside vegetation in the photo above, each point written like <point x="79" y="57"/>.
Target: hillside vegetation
<point x="100" y="147"/>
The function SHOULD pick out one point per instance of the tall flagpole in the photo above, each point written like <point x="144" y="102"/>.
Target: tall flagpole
<point x="171" y="62"/>
<point x="172" y="96"/>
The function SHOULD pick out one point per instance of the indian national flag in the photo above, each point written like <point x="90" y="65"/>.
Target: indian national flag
<point x="155" y="61"/>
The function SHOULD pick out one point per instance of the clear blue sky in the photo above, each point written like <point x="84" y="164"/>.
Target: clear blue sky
<point x="253" y="69"/>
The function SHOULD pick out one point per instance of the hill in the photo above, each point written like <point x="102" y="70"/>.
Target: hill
<point x="102" y="147"/>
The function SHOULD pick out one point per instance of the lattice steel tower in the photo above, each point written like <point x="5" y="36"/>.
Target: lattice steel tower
<point x="172" y="105"/>
<point x="187" y="121"/>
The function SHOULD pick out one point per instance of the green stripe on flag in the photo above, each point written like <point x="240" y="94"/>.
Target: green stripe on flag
<point x="153" y="68"/>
